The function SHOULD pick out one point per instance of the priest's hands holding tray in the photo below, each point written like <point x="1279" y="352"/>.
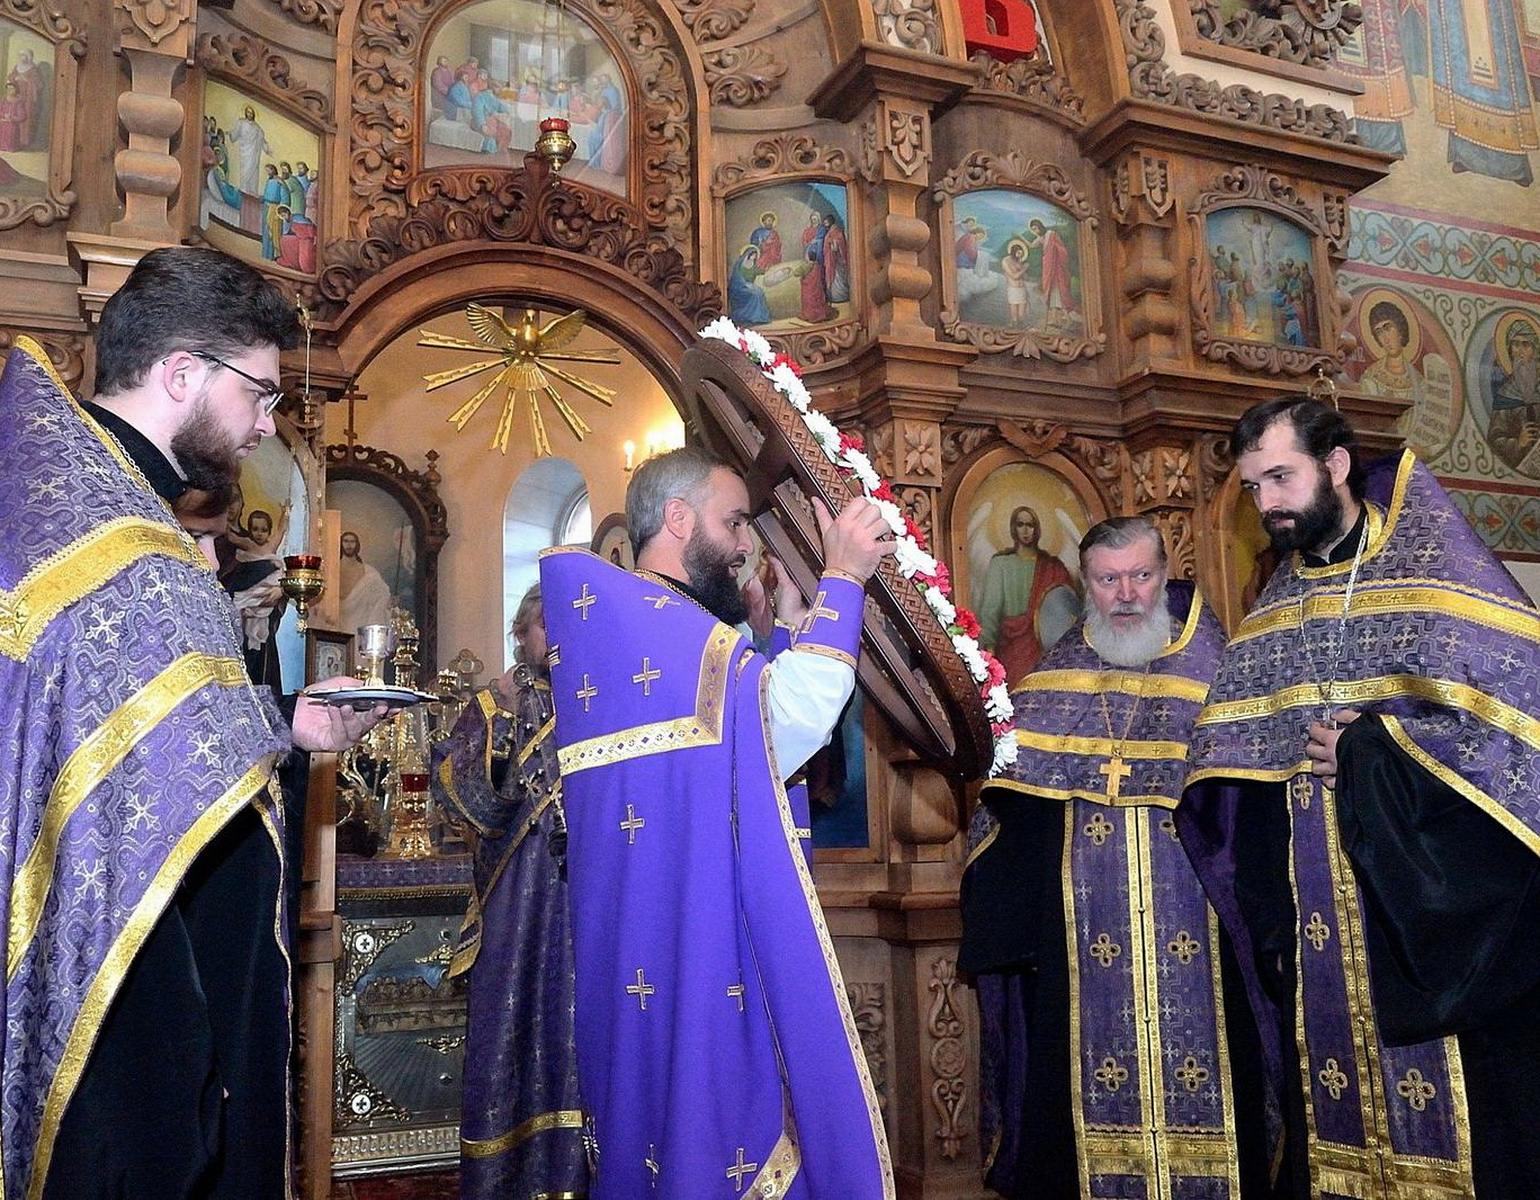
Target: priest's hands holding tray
<point x="855" y="541"/>
<point x="319" y="726"/>
<point x="1322" y="746"/>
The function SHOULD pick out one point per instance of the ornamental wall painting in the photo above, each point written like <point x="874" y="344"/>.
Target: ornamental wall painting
<point x="789" y="264"/>
<point x="495" y="70"/>
<point x="260" y="196"/>
<point x="26" y="110"/>
<point x="268" y="518"/>
<point x="1017" y="262"/>
<point x="1404" y="354"/>
<point x="1016" y="538"/>
<point x="1502" y="376"/>
<point x="1018" y="259"/>
<point x="1262" y="278"/>
<point x="378" y="552"/>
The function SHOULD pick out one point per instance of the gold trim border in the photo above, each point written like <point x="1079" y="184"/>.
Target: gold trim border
<point x="562" y="1118"/>
<point x="703" y="727"/>
<point x="88" y="766"/>
<point x="120" y="957"/>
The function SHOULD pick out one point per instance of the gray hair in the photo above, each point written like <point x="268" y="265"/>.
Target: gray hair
<point x="678" y="475"/>
<point x="1116" y="532"/>
<point x="530" y="612"/>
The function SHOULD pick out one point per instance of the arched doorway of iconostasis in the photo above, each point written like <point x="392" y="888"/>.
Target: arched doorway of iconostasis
<point x="516" y="471"/>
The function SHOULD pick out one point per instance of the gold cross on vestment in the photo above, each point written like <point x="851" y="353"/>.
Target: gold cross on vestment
<point x="584" y="602"/>
<point x="587" y="692"/>
<point x="739" y="1169"/>
<point x="647" y="676"/>
<point x="1116" y="770"/>
<point x="660" y="602"/>
<point x="641" y="989"/>
<point x="736" y="992"/>
<point x="816" y="612"/>
<point x="652" y="1165"/>
<point x="631" y="824"/>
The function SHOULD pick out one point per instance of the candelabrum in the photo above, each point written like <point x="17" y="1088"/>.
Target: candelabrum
<point x="302" y="583"/>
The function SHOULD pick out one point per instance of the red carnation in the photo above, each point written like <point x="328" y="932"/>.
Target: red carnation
<point x="996" y="669"/>
<point x="943" y="579"/>
<point x="968" y="623"/>
<point x="781" y="360"/>
<point x="851" y="441"/>
<point x="883" y="491"/>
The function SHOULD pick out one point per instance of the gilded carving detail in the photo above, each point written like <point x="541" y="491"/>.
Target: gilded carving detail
<point x="948" y="1058"/>
<point x="1151" y="79"/>
<point x="742" y="75"/>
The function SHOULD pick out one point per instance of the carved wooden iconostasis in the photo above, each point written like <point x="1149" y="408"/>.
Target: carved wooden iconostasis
<point x="1040" y="252"/>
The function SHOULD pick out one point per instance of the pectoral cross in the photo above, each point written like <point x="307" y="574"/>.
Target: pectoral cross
<point x="631" y="824"/>
<point x="1116" y="770"/>
<point x="739" y="1169"/>
<point x="641" y="989"/>
<point x="584" y="602"/>
<point x="648" y="675"/>
<point x="818" y="611"/>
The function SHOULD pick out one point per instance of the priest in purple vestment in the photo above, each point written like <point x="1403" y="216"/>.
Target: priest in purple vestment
<point x="521" y="1119"/>
<point x="1363" y="808"/>
<point x="1114" y="1063"/>
<point x="717" y="1053"/>
<point x="147" y="985"/>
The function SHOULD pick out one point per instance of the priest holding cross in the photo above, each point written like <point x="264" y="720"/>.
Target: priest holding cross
<point x="1106" y="1048"/>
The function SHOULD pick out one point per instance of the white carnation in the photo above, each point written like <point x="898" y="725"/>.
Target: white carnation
<point x="759" y="348"/>
<point x="944" y="609"/>
<point x="787" y="383"/>
<point x="892" y="514"/>
<point x="824" y="432"/>
<point x="1005" y="754"/>
<point x="910" y="558"/>
<point x="968" y="650"/>
<point x="998" y="703"/>
<point x="722" y="329"/>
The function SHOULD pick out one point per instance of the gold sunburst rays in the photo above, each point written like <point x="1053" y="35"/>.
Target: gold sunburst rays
<point x="525" y="366"/>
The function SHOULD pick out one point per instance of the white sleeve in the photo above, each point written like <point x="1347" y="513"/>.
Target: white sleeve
<point x="806" y="694"/>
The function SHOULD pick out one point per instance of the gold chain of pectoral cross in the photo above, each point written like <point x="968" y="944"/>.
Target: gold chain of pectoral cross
<point x="1116" y="769"/>
<point x="1327" y="688"/>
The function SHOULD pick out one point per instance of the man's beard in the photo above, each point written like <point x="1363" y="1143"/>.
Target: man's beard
<point x="204" y="451"/>
<point x="713" y="574"/>
<point x="1134" y="647"/>
<point x="1314" y="525"/>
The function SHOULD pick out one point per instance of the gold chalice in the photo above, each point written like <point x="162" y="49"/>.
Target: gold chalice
<point x="302" y="582"/>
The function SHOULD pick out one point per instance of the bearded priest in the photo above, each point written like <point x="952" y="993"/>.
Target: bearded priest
<point x="716" y="1050"/>
<point x="1106" y="1027"/>
<point x="1362" y="811"/>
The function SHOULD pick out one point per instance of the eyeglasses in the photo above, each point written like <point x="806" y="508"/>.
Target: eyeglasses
<point x="269" y="396"/>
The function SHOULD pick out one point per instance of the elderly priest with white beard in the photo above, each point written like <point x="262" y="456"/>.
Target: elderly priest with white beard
<point x="1107" y="1030"/>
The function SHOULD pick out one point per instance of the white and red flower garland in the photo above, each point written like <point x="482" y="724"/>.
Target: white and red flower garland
<point x="915" y="562"/>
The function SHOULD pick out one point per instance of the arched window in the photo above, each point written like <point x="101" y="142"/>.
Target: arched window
<point x="547" y="506"/>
